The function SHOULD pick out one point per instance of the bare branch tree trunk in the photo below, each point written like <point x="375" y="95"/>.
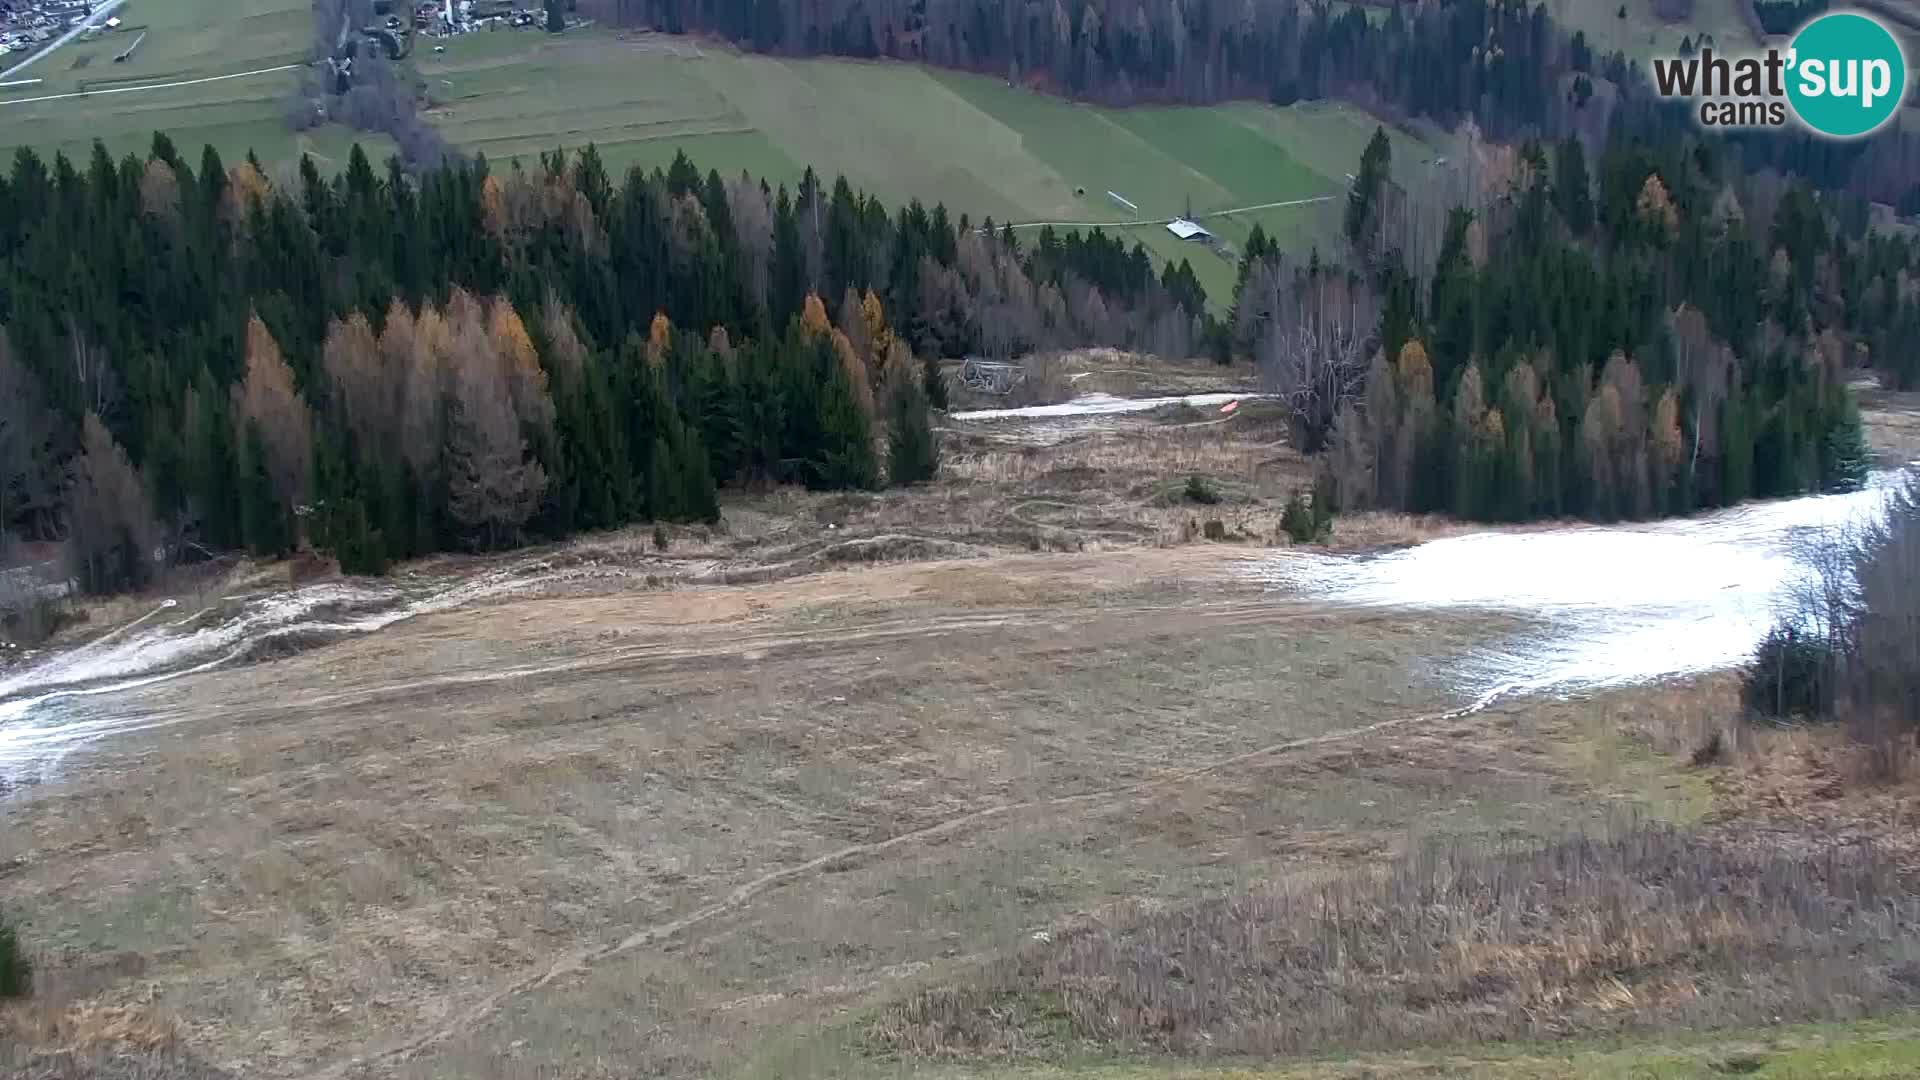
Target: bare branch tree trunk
<point x="1318" y="338"/>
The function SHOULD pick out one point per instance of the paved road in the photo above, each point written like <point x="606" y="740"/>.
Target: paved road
<point x="100" y="13"/>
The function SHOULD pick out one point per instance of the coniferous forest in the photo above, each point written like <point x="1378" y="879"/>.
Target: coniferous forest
<point x="385" y="365"/>
<point x="377" y="364"/>
<point x="1658" y="334"/>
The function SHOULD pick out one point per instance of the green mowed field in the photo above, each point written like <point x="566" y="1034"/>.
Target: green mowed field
<point x="186" y="40"/>
<point x="977" y="144"/>
<point x="234" y="116"/>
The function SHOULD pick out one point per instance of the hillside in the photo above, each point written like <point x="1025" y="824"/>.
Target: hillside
<point x="502" y="618"/>
<point x="905" y="131"/>
<point x="902" y="131"/>
<point x="1642" y="33"/>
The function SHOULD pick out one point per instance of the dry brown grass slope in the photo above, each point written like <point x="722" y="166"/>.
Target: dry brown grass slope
<point x="367" y="843"/>
<point x="1456" y="944"/>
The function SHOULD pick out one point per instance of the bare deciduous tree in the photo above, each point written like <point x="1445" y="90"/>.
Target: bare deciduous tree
<point x="266" y="397"/>
<point x="1171" y="334"/>
<point x="689" y="228"/>
<point x="419" y="347"/>
<point x="112" y="533"/>
<point x="852" y="323"/>
<point x="1881" y="684"/>
<point x="1707" y="370"/>
<point x="518" y="365"/>
<point x="385" y="98"/>
<point x="492" y="487"/>
<point x="367" y="388"/>
<point x="1089" y="310"/>
<point x="160" y="191"/>
<point x="945" y="309"/>
<point x="855" y="370"/>
<point x="1313" y="350"/>
<point x="753" y="231"/>
<point x="1847" y="636"/>
<point x="1350" y="461"/>
<point x="1008" y="315"/>
<point x="99" y="385"/>
<point x="566" y="353"/>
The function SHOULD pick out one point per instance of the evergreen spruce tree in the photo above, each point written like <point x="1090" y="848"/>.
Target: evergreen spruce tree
<point x="1736" y="451"/>
<point x="718" y="398"/>
<point x="1363" y="200"/>
<point x="341" y="523"/>
<point x="787" y="279"/>
<point x="1572" y="194"/>
<point x="913" y="455"/>
<point x="262" y="514"/>
<point x="843" y="454"/>
<point x="698" y="499"/>
<point x="1844" y="460"/>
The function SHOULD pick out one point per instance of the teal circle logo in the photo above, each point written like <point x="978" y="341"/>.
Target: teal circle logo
<point x="1846" y="75"/>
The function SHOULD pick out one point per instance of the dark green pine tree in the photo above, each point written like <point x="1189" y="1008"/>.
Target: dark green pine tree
<point x="1736" y="450"/>
<point x="759" y="412"/>
<point x="1844" y="460"/>
<point x="844" y="254"/>
<point x="1572" y="188"/>
<point x="592" y="439"/>
<point x="730" y="307"/>
<point x="696" y="498"/>
<point x="647" y="412"/>
<point x="843" y="455"/>
<point x="212" y="468"/>
<point x="682" y="177"/>
<point x="1183" y="286"/>
<point x="1376" y="163"/>
<point x="165" y="467"/>
<point x="1400" y="308"/>
<point x="1451" y="309"/>
<point x="263" y="516"/>
<point x="662" y="472"/>
<point x="913" y="454"/>
<point x="717" y="398"/>
<point x="1259" y="248"/>
<point x="341" y="522"/>
<point x="787" y="285"/>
